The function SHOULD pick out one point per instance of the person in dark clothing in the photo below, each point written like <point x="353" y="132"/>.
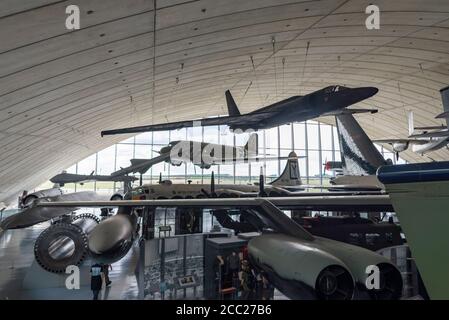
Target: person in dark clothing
<point x="233" y="263"/>
<point x="267" y="289"/>
<point x="219" y="273"/>
<point x="96" y="281"/>
<point x="105" y="270"/>
<point x="247" y="281"/>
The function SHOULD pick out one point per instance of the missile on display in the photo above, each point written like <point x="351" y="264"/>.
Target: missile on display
<point x="321" y="268"/>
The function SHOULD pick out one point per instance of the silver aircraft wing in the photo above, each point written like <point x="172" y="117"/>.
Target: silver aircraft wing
<point x="51" y="208"/>
<point x="267" y="208"/>
<point x="36" y="213"/>
<point x="318" y="202"/>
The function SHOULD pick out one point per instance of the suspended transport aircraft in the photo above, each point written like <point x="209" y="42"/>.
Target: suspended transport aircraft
<point x="201" y="154"/>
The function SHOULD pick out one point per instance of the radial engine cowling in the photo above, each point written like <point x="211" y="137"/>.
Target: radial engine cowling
<point x="64" y="243"/>
<point x="112" y="238"/>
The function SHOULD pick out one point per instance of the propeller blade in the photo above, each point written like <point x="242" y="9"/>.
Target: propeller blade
<point x="212" y="185"/>
<point x="262" y="184"/>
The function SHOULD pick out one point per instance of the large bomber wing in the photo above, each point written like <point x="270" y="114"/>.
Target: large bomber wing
<point x="267" y="208"/>
<point x="47" y="209"/>
<point x="246" y="120"/>
<point x="319" y="202"/>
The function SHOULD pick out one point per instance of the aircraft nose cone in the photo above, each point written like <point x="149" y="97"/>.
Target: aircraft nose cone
<point x="110" y="232"/>
<point x="369" y="91"/>
<point x="164" y="149"/>
<point x="348" y="97"/>
<point x="55" y="178"/>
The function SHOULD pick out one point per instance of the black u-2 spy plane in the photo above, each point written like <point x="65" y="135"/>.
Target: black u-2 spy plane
<point x="326" y="101"/>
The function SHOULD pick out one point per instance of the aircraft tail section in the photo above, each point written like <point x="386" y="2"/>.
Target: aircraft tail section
<point x="445" y="100"/>
<point x="411" y="124"/>
<point x="359" y="156"/>
<point x="252" y="145"/>
<point x="290" y="176"/>
<point x="232" y="106"/>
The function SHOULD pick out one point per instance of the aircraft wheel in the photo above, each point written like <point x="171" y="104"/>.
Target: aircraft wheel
<point x="117" y="197"/>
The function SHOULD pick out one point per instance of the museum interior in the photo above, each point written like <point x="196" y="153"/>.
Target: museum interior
<point x="224" y="150"/>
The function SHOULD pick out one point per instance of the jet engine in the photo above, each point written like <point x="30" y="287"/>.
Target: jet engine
<point x="176" y="163"/>
<point x="64" y="243"/>
<point x="322" y="268"/>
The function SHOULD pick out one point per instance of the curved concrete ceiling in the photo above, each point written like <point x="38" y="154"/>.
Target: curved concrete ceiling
<point x="60" y="88"/>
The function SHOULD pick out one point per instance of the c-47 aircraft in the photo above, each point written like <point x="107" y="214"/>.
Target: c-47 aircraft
<point x="294" y="109"/>
<point x="201" y="154"/>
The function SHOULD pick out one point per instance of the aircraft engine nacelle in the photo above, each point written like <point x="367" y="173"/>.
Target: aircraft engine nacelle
<point x="400" y="146"/>
<point x="175" y="163"/>
<point x="112" y="238"/>
<point x="318" y="269"/>
<point x="28" y="200"/>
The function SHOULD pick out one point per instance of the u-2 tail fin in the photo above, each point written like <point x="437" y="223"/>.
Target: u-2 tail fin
<point x="232" y="106"/>
<point x="359" y="156"/>
<point x="290" y="176"/>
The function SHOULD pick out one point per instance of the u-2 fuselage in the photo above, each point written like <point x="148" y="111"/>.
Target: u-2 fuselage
<point x="313" y="105"/>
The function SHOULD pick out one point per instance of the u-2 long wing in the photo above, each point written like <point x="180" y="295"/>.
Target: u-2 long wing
<point x="245" y="120"/>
